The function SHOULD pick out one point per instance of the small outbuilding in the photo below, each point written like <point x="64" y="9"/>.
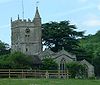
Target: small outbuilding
<point x="89" y="68"/>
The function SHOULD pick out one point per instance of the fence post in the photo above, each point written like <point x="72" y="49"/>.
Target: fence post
<point x="58" y="73"/>
<point x="67" y="74"/>
<point x="47" y="74"/>
<point x="9" y="73"/>
<point x="22" y="73"/>
<point x="35" y="75"/>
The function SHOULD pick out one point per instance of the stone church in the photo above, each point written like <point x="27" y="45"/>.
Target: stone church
<point x="26" y="38"/>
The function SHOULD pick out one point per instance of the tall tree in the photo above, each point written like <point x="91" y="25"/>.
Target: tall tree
<point x="60" y="34"/>
<point x="4" y="48"/>
<point x="91" y="44"/>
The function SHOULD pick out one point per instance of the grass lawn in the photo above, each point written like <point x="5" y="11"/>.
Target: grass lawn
<point x="48" y="82"/>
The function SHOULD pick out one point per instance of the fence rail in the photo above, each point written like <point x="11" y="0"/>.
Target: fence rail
<point x="26" y="73"/>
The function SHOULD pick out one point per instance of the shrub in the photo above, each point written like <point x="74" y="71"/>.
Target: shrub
<point x="49" y="64"/>
<point x="75" y="69"/>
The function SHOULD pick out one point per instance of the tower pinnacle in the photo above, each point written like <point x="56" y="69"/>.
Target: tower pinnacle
<point x="37" y="15"/>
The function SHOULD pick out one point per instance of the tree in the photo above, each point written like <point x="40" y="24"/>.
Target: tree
<point x="60" y="34"/>
<point x="4" y="63"/>
<point x="16" y="60"/>
<point x="91" y="45"/>
<point x="49" y="64"/>
<point x="19" y="60"/>
<point x="96" y="62"/>
<point x="4" y="48"/>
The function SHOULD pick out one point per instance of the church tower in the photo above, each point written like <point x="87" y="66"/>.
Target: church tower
<point x="26" y="35"/>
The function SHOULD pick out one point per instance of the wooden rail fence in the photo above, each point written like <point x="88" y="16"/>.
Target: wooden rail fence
<point x="26" y="73"/>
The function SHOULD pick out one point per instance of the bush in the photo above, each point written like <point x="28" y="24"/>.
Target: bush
<point x="75" y="69"/>
<point x="96" y="62"/>
<point x="49" y="64"/>
<point x="16" y="60"/>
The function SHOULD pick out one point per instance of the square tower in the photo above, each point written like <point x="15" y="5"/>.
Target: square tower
<point x="26" y="35"/>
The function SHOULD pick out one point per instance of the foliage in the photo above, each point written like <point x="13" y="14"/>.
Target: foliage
<point x="91" y="45"/>
<point x="96" y="62"/>
<point x="4" y="48"/>
<point x="81" y="54"/>
<point x="20" y="60"/>
<point x="60" y="34"/>
<point x="16" y="60"/>
<point x="4" y="62"/>
<point x="75" y="69"/>
<point x="49" y="64"/>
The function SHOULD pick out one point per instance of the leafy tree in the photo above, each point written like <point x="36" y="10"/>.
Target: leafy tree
<point x="16" y="60"/>
<point x="4" y="48"/>
<point x="49" y="64"/>
<point x="19" y="60"/>
<point x="82" y="53"/>
<point x="91" y="45"/>
<point x="60" y="34"/>
<point x="96" y="61"/>
<point x="4" y="64"/>
<point x="97" y="65"/>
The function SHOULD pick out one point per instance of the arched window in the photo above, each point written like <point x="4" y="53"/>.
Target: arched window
<point x="62" y="64"/>
<point x="86" y="70"/>
<point x="26" y="49"/>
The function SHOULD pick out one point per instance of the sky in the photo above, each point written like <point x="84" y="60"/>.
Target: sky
<point x="85" y="14"/>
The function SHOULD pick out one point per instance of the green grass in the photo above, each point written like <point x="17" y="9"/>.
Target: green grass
<point x="48" y="82"/>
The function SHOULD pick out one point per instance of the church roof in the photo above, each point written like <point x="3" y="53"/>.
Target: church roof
<point x="46" y="53"/>
<point x="49" y="53"/>
<point x="63" y="52"/>
<point x="87" y="63"/>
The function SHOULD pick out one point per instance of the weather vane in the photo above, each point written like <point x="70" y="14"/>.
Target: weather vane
<point x="37" y="3"/>
<point x="22" y="9"/>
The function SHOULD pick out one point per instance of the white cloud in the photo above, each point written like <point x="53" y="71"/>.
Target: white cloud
<point x="92" y="22"/>
<point x="84" y="8"/>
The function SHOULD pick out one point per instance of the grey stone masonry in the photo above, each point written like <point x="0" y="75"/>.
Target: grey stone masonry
<point x="26" y="35"/>
<point x="90" y="68"/>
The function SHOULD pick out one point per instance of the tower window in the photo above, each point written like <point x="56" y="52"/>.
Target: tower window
<point x="27" y="30"/>
<point x="27" y="35"/>
<point x="26" y="49"/>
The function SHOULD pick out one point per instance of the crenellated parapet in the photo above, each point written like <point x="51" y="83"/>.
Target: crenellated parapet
<point x="22" y="23"/>
<point x="35" y="23"/>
